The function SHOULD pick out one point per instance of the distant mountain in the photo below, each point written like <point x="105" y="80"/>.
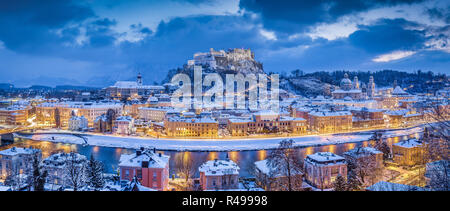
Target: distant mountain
<point x="77" y="88"/>
<point x="5" y="86"/>
<point x="40" y="87"/>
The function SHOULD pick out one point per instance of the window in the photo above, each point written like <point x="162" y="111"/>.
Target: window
<point x="127" y="173"/>
<point x="155" y="175"/>
<point x="139" y="173"/>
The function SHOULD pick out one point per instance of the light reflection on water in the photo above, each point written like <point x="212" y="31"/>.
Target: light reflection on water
<point x="245" y="159"/>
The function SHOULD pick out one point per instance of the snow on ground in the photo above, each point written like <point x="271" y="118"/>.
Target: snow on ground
<point x="212" y="144"/>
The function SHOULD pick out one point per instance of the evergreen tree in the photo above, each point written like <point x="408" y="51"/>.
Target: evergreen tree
<point x="339" y="184"/>
<point x="39" y="177"/>
<point x="353" y="183"/>
<point x="381" y="145"/>
<point x="95" y="174"/>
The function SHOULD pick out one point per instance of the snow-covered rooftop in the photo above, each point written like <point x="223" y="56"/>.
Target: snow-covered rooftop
<point x="330" y="113"/>
<point x="59" y="160"/>
<point x="219" y="168"/>
<point x="410" y="143"/>
<point x="399" y="91"/>
<point x="144" y="158"/>
<point x="18" y="151"/>
<point x="264" y="168"/>
<point x="324" y="157"/>
<point x="362" y="151"/>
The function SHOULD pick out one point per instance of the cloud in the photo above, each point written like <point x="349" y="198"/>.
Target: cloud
<point x="27" y="23"/>
<point x="388" y="35"/>
<point x="396" y="55"/>
<point x="297" y="16"/>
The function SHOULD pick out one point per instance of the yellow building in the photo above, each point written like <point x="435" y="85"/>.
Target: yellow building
<point x="58" y="114"/>
<point x="267" y="122"/>
<point x="14" y="115"/>
<point x="408" y="153"/>
<point x="191" y="127"/>
<point x="330" y="121"/>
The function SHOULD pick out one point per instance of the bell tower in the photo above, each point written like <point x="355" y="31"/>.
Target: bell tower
<point x="139" y="79"/>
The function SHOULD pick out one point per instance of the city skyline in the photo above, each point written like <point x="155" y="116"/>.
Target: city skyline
<point x="98" y="43"/>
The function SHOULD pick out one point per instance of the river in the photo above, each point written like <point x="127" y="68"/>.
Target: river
<point x="245" y="159"/>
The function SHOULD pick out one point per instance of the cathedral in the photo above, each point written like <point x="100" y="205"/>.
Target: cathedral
<point x="353" y="90"/>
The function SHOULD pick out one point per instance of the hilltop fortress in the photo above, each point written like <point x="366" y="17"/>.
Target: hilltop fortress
<point x="237" y="60"/>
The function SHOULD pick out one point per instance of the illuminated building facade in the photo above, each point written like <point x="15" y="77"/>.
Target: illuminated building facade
<point x="322" y="168"/>
<point x="330" y="121"/>
<point x="191" y="127"/>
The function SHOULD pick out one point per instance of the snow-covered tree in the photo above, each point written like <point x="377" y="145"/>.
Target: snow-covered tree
<point x="381" y="145"/>
<point x="185" y="169"/>
<point x="284" y="160"/>
<point x="364" y="167"/>
<point x="340" y="184"/>
<point x="74" y="170"/>
<point x="39" y="175"/>
<point x="94" y="174"/>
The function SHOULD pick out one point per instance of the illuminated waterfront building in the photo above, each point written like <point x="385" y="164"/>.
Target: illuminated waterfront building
<point x="330" y="121"/>
<point x="367" y="118"/>
<point x="265" y="122"/>
<point x="191" y="127"/>
<point x="58" y="114"/>
<point x="14" y="115"/>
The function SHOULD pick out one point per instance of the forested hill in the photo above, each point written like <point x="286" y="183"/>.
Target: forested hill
<point x="417" y="82"/>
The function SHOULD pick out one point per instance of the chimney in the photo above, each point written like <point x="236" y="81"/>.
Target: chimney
<point x="154" y="150"/>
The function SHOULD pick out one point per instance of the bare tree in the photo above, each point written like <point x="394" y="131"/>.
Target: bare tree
<point x="75" y="168"/>
<point x="185" y="169"/>
<point x="365" y="167"/>
<point x="437" y="147"/>
<point x="285" y="162"/>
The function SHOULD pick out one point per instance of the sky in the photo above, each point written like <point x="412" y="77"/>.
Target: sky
<point x="97" y="42"/>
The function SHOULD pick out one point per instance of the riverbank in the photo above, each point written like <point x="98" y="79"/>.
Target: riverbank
<point x="217" y="145"/>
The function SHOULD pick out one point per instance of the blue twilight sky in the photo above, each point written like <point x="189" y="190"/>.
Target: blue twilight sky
<point x="96" y="42"/>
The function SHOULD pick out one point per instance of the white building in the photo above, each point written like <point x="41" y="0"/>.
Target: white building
<point x="78" y="123"/>
<point x="124" y="125"/>
<point x="17" y="161"/>
<point x="56" y="166"/>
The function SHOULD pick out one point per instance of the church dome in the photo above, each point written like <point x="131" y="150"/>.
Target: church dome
<point x="346" y="84"/>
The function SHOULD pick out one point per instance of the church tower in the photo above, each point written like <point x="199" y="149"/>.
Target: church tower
<point x="139" y="79"/>
<point x="371" y="87"/>
<point x="355" y="82"/>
